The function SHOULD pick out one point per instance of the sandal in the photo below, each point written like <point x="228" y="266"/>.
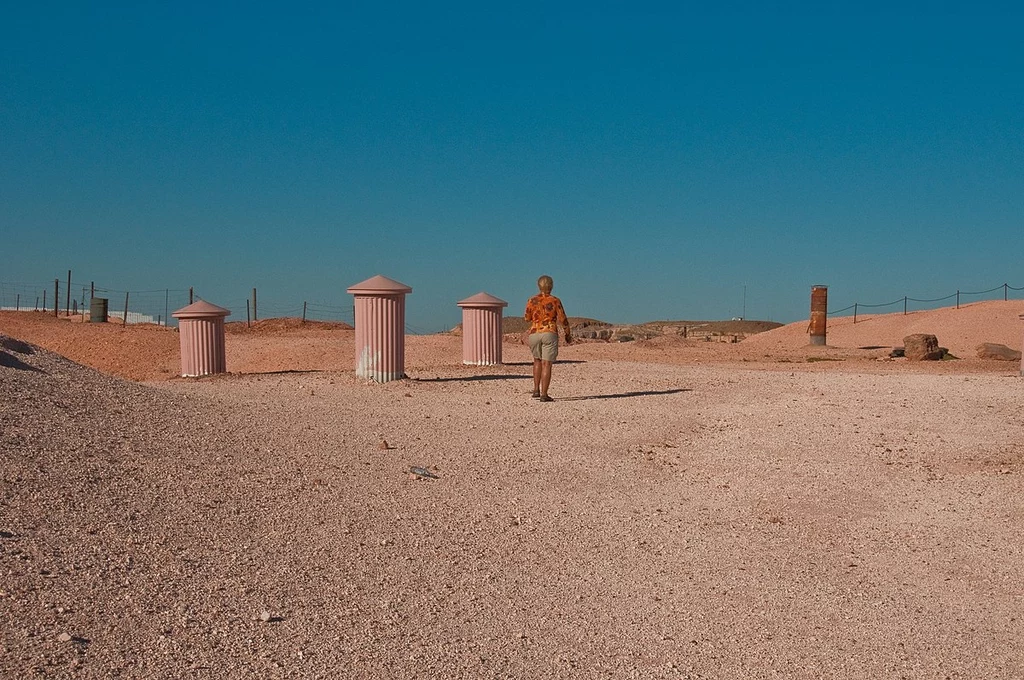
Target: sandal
<point x="535" y="395"/>
<point x="545" y="397"/>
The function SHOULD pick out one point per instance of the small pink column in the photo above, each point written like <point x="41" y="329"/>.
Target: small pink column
<point x="481" y="329"/>
<point x="201" y="331"/>
<point x="380" y="328"/>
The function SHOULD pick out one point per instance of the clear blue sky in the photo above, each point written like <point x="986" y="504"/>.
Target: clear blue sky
<point x="654" y="158"/>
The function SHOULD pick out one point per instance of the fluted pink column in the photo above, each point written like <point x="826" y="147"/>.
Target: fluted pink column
<point x="481" y="329"/>
<point x="201" y="334"/>
<point x="380" y="328"/>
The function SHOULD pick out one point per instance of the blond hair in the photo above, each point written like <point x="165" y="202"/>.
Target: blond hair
<point x="545" y="284"/>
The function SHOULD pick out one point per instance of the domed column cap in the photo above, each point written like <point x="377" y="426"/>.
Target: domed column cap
<point x="482" y="299"/>
<point x="201" y="309"/>
<point x="379" y="285"/>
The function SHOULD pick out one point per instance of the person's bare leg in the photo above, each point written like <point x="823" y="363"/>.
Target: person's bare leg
<point x="536" y="376"/>
<point x="545" y="377"/>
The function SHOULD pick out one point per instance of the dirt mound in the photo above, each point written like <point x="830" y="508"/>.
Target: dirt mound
<point x="959" y="330"/>
<point x="109" y="490"/>
<point x="135" y="351"/>
<point x="285" y="325"/>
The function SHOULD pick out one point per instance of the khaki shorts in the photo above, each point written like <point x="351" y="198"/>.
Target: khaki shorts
<point x="544" y="346"/>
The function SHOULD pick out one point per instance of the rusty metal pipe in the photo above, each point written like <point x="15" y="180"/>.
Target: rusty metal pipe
<point x="819" y="313"/>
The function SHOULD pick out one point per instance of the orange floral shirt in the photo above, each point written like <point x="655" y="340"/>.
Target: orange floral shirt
<point x="544" y="312"/>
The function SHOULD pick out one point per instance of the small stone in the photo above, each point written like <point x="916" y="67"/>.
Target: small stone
<point x="991" y="350"/>
<point x="64" y="637"/>
<point x="265" y="616"/>
<point x="383" y="446"/>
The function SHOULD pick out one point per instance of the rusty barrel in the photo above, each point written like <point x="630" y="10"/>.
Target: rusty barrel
<point x="819" y="314"/>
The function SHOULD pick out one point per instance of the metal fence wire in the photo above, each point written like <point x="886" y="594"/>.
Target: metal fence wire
<point x="149" y="306"/>
<point x="959" y="295"/>
<point x="156" y="306"/>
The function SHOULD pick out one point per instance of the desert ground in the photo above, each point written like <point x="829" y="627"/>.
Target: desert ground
<point x="683" y="509"/>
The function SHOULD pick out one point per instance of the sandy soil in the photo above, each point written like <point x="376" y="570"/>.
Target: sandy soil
<point x="681" y="510"/>
<point x="150" y="353"/>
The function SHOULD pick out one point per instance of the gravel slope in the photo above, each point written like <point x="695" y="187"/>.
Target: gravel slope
<point x="657" y="521"/>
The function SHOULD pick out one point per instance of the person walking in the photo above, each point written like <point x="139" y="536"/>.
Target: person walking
<point x="545" y="312"/>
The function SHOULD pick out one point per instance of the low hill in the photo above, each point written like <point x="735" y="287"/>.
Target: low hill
<point x="960" y="330"/>
<point x="516" y="324"/>
<point x="595" y="329"/>
<point x="284" y="325"/>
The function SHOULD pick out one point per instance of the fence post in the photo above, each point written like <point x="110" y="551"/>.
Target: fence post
<point x="303" y="311"/>
<point x="44" y="302"/>
<point x="247" y="324"/>
<point x="125" y="322"/>
<point x="855" y="312"/>
<point x="958" y="299"/>
<point x="255" y="316"/>
<point x="1004" y="291"/>
<point x="904" y="305"/>
<point x="167" y="295"/>
<point x="56" y="297"/>
<point x="67" y="304"/>
<point x="92" y="291"/>
<point x="17" y="303"/>
<point x="190" y="294"/>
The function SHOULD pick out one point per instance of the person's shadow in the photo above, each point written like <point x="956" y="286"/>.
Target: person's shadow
<point x="626" y="395"/>
<point x="530" y="363"/>
<point x="475" y="378"/>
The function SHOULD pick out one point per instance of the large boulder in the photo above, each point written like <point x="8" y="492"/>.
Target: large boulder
<point x="992" y="350"/>
<point x="922" y="347"/>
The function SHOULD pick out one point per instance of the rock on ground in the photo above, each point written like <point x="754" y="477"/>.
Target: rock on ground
<point x="992" y="350"/>
<point x="922" y="347"/>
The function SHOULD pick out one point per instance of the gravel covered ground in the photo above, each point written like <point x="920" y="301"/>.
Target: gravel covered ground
<point x="677" y="512"/>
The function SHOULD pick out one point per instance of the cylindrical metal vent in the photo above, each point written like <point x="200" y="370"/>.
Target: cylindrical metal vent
<point x="98" y="310"/>
<point x="481" y="329"/>
<point x="201" y="335"/>
<point x="380" y="328"/>
<point x="819" y="314"/>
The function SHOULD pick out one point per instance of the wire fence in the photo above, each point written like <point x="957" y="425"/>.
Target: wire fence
<point x="68" y="297"/>
<point x="305" y="311"/>
<point x="929" y="303"/>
